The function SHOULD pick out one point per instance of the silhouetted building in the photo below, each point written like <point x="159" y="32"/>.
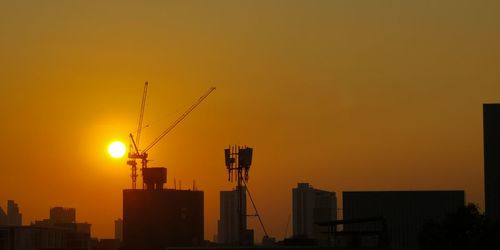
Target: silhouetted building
<point x="309" y="207"/>
<point x="29" y="237"/>
<point x="83" y="227"/>
<point x="119" y="230"/>
<point x="61" y="218"/>
<point x="405" y="212"/>
<point x="108" y="244"/>
<point x="35" y="237"/>
<point x="156" y="218"/>
<point x="62" y="215"/>
<point x="374" y="238"/>
<point x="228" y="228"/>
<point x="3" y="217"/>
<point x="14" y="218"/>
<point x="491" y="137"/>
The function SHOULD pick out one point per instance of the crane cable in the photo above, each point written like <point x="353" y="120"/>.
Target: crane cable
<point x="255" y="207"/>
<point x="165" y="132"/>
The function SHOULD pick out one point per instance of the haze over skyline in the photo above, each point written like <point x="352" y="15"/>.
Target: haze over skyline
<point x="345" y="95"/>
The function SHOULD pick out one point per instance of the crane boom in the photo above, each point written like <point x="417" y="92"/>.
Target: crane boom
<point x="191" y="108"/>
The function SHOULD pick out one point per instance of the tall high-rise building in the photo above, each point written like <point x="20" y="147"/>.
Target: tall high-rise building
<point x="491" y="137"/>
<point x="119" y="229"/>
<point x="231" y="217"/>
<point x="14" y="218"/>
<point x="309" y="207"/>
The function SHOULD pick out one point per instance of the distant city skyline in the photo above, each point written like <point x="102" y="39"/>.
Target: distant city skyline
<point x="345" y="95"/>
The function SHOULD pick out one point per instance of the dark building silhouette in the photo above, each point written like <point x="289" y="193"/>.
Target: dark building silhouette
<point x="43" y="237"/>
<point x="228" y="225"/>
<point x="108" y="244"/>
<point x="156" y="218"/>
<point x="491" y="137"/>
<point x="405" y="212"/>
<point x="309" y="207"/>
<point x="3" y="217"/>
<point x="119" y="230"/>
<point x="63" y="215"/>
<point x="14" y="218"/>
<point x="61" y="221"/>
<point x="31" y="237"/>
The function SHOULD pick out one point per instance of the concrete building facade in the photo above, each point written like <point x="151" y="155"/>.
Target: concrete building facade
<point x="309" y="207"/>
<point x="405" y="212"/>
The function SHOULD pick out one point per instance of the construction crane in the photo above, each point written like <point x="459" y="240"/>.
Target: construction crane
<point x="135" y="153"/>
<point x="133" y="156"/>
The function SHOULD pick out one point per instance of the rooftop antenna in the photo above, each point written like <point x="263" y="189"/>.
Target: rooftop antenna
<point x="238" y="161"/>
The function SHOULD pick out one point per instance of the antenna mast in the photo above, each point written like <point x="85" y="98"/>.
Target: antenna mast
<point x="238" y="161"/>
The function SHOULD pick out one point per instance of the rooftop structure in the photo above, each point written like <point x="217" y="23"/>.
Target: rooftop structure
<point x="405" y="212"/>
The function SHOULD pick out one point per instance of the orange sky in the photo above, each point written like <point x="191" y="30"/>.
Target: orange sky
<point x="346" y="95"/>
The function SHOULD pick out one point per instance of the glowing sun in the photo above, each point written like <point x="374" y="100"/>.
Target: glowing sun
<point x="117" y="149"/>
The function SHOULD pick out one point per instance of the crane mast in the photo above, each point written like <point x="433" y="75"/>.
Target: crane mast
<point x="141" y="114"/>
<point x="134" y="145"/>
<point x="135" y="153"/>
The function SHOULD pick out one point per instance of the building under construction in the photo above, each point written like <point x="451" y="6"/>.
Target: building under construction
<point x="155" y="218"/>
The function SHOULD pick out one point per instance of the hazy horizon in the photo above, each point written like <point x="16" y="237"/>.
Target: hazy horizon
<point x="345" y="95"/>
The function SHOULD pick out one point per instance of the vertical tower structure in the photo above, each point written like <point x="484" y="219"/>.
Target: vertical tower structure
<point x="233" y="203"/>
<point x="491" y="140"/>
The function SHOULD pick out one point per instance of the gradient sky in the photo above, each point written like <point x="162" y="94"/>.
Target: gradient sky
<point x="346" y="95"/>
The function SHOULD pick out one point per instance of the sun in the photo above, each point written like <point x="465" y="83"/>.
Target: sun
<point x="117" y="149"/>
